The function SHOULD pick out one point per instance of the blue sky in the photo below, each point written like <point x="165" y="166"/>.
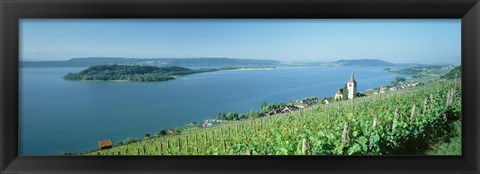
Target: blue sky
<point x="394" y="40"/>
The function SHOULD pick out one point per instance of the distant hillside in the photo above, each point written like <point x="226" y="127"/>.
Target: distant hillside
<point x="201" y="62"/>
<point x="80" y="62"/>
<point x="221" y="62"/>
<point x="455" y="71"/>
<point x="363" y="62"/>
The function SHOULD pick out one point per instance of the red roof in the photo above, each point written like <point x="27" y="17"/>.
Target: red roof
<point x="105" y="143"/>
<point x="382" y="90"/>
<point x="340" y="91"/>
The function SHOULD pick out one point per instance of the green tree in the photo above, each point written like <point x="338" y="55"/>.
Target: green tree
<point x="397" y="80"/>
<point x="345" y="92"/>
<point x="253" y="114"/>
<point x="264" y="104"/>
<point x="235" y="116"/>
<point x="243" y="116"/>
<point x="229" y="116"/>
<point x="162" y="132"/>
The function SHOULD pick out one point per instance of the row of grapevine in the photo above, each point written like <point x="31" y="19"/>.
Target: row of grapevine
<point x="400" y="122"/>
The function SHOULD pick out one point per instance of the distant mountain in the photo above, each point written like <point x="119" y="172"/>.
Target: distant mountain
<point x="200" y="62"/>
<point x="220" y="62"/>
<point x="363" y="62"/>
<point x="207" y="62"/>
<point x="80" y="62"/>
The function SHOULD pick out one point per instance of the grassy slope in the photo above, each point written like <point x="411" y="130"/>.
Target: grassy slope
<point x="450" y="145"/>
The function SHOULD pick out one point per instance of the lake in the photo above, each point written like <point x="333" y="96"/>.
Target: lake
<point x="72" y="116"/>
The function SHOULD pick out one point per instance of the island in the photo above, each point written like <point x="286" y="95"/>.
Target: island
<point x="134" y="73"/>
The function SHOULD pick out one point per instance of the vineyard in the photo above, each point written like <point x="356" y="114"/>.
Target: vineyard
<point x="402" y="122"/>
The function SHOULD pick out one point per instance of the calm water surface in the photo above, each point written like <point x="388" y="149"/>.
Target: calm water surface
<point x="72" y="116"/>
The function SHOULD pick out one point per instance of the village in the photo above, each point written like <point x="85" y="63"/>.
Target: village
<point x="348" y="93"/>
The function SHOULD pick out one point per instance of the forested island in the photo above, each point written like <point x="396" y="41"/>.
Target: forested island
<point x="134" y="73"/>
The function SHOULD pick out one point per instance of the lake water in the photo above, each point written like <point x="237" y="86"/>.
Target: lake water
<point x="56" y="114"/>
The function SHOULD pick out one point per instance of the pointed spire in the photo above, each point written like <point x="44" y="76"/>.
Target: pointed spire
<point x="352" y="78"/>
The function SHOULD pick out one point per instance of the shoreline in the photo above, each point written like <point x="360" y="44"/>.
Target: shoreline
<point x="253" y="69"/>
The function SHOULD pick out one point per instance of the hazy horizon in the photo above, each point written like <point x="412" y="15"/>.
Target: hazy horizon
<point x="285" y="61"/>
<point x="428" y="41"/>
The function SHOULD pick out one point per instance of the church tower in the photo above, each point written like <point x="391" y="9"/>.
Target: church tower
<point x="352" y="87"/>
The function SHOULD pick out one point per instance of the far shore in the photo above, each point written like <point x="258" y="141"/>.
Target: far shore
<point x="250" y="69"/>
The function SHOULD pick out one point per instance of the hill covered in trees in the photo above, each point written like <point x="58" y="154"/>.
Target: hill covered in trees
<point x="455" y="71"/>
<point x="135" y="73"/>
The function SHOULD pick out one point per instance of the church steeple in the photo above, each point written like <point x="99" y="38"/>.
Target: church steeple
<point x="352" y="87"/>
<point x="352" y="78"/>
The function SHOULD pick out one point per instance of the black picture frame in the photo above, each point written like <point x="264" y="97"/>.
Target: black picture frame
<point x="13" y="10"/>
